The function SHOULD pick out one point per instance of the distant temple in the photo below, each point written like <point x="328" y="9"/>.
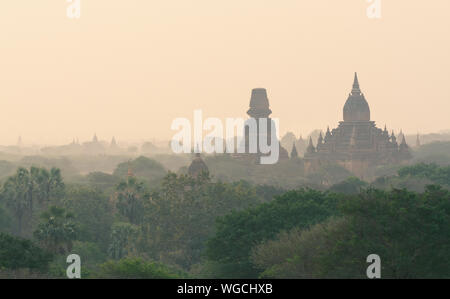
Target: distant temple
<point x="356" y="144"/>
<point x="19" y="141"/>
<point x="198" y="166"/>
<point x="259" y="108"/>
<point x="418" y="144"/>
<point x="113" y="143"/>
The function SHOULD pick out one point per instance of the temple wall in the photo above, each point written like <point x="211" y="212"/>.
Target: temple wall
<point x="358" y="167"/>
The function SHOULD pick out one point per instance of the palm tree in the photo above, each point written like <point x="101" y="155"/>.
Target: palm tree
<point x="130" y="199"/>
<point x="18" y="196"/>
<point x="123" y="238"/>
<point x="21" y="191"/>
<point x="49" y="184"/>
<point x="57" y="231"/>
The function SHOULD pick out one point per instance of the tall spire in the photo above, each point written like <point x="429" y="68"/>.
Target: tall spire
<point x="403" y="146"/>
<point x="356" y="107"/>
<point x="356" y="89"/>
<point x="113" y="142"/>
<point x="385" y="132"/>
<point x="294" y="153"/>
<point x="310" y="149"/>
<point x="394" y="139"/>
<point x="328" y="134"/>
<point x="319" y="140"/>
<point x="403" y="139"/>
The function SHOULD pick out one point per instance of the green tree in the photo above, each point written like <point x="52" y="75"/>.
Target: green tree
<point x="298" y="253"/>
<point x="130" y="199"/>
<point x="93" y="213"/>
<point x="180" y="216"/>
<point x="16" y="253"/>
<point x="135" y="268"/>
<point x="57" y="231"/>
<point x="47" y="185"/>
<point x="5" y="220"/>
<point x="123" y="240"/>
<point x="433" y="172"/>
<point x="17" y="193"/>
<point x="22" y="191"/>
<point x="409" y="231"/>
<point x="352" y="185"/>
<point x="238" y="232"/>
<point x="144" y="168"/>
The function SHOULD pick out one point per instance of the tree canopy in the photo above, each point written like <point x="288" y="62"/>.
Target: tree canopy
<point x="238" y="232"/>
<point x="16" y="253"/>
<point x="409" y="231"/>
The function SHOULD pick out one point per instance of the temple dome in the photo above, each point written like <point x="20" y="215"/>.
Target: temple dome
<point x="197" y="167"/>
<point x="356" y="107"/>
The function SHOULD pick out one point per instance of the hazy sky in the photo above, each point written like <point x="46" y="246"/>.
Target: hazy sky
<point x="127" y="68"/>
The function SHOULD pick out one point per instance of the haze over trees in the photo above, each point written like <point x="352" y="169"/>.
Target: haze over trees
<point x="241" y="220"/>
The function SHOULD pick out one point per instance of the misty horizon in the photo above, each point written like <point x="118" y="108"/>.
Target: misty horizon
<point x="125" y="73"/>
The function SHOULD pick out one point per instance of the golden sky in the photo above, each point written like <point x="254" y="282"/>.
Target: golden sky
<point x="127" y="68"/>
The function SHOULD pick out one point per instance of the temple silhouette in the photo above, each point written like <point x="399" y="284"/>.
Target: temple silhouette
<point x="356" y="144"/>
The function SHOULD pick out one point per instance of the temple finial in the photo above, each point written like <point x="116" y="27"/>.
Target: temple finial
<point x="356" y="88"/>
<point x="310" y="149"/>
<point x="403" y="139"/>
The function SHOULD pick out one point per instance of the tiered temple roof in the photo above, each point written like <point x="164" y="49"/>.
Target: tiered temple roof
<point x="356" y="139"/>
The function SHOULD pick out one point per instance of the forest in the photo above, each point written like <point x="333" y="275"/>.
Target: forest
<point x="147" y="218"/>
